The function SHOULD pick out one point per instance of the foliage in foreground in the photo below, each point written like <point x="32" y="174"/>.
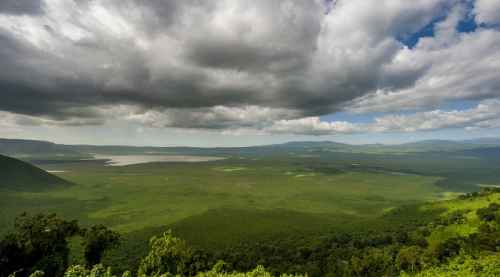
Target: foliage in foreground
<point x="464" y="241"/>
<point x="465" y="266"/>
<point x="101" y="271"/>
<point x="40" y="244"/>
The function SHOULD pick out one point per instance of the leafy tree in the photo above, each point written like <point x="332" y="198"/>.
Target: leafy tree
<point x="488" y="213"/>
<point x="455" y="217"/>
<point x="373" y="262"/>
<point x="168" y="254"/>
<point x="11" y="256"/>
<point x="408" y="259"/>
<point x="487" y="237"/>
<point x="96" y="271"/>
<point x="401" y="237"/>
<point x="445" y="249"/>
<point x="259" y="271"/>
<point x="96" y="240"/>
<point x="38" y="243"/>
<point x="37" y="273"/>
<point x="466" y="266"/>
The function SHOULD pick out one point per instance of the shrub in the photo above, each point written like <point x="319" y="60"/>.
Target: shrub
<point x="168" y="254"/>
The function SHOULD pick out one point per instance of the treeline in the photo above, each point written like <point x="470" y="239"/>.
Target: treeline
<point x="40" y="243"/>
<point x="38" y="246"/>
<point x="377" y="251"/>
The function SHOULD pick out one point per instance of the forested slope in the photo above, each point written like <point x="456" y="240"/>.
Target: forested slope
<point x="462" y="239"/>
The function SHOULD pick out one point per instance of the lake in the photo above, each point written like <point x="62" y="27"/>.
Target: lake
<point x="121" y="160"/>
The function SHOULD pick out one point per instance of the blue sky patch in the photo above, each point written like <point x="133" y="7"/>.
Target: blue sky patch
<point x="466" y="25"/>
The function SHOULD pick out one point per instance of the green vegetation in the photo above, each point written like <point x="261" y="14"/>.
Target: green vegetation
<point x="296" y="208"/>
<point x="465" y="266"/>
<point x="16" y="175"/>
<point x="182" y="194"/>
<point x="39" y="241"/>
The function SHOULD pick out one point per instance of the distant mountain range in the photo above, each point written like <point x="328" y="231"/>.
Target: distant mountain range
<point x="419" y="146"/>
<point x="21" y="148"/>
<point x="484" y="141"/>
<point x="34" y="149"/>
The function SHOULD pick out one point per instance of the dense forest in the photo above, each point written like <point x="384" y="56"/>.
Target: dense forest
<point x="459" y="237"/>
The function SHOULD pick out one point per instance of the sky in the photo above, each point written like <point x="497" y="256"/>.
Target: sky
<point x="237" y="72"/>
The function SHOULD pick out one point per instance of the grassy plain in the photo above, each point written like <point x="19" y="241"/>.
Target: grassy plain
<point x="248" y="197"/>
<point x="260" y="195"/>
<point x="293" y="194"/>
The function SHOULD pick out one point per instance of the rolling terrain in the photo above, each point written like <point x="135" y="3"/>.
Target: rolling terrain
<point x="297" y="190"/>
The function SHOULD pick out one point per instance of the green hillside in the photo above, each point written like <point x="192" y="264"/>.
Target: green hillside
<point x="21" y="176"/>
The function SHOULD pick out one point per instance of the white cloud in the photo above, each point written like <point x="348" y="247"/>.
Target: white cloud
<point x="8" y="125"/>
<point x="487" y="11"/>
<point x="485" y="115"/>
<point x="451" y="66"/>
<point x="312" y="126"/>
<point x="219" y="117"/>
<point x="233" y="65"/>
<point x="480" y="116"/>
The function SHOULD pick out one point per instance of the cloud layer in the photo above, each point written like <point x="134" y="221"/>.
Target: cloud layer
<point x="485" y="115"/>
<point x="271" y="66"/>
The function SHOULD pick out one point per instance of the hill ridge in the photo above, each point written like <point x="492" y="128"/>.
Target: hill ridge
<point x="21" y="176"/>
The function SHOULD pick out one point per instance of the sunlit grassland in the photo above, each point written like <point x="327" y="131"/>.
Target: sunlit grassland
<point x="218" y="204"/>
<point x="158" y="194"/>
<point x="469" y="207"/>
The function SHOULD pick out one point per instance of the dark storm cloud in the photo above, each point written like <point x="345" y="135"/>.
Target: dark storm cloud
<point x="77" y="80"/>
<point x="21" y="7"/>
<point x="223" y="64"/>
<point x="239" y="56"/>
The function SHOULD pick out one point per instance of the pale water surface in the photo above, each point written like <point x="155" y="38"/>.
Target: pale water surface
<point x="120" y="160"/>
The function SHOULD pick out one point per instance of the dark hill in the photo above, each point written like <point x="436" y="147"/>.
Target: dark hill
<point x="22" y="176"/>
